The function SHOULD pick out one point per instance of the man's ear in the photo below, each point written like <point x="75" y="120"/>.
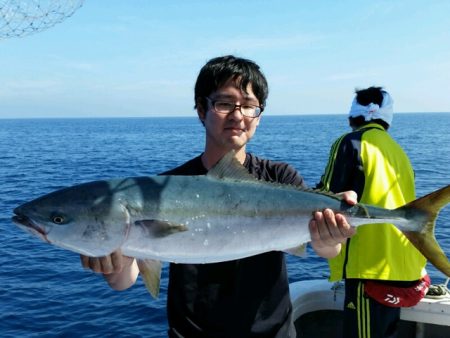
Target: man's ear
<point x="258" y="119"/>
<point x="201" y="111"/>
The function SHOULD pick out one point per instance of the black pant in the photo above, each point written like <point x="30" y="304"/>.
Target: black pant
<point x="364" y="317"/>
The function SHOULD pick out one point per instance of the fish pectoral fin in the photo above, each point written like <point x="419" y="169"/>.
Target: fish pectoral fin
<point x="298" y="250"/>
<point x="150" y="270"/>
<point x="160" y="228"/>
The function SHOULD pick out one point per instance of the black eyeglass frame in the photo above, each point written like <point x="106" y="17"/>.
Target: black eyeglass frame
<point x="258" y="109"/>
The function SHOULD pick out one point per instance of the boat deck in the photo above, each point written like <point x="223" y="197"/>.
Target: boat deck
<point x="317" y="312"/>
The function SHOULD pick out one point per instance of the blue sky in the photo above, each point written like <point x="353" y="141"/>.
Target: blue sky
<point x="141" y="58"/>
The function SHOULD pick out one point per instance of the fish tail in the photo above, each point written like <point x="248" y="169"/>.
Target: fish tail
<point x="424" y="240"/>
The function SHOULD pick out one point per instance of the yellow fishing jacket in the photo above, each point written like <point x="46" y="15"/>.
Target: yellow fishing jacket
<point x="370" y="162"/>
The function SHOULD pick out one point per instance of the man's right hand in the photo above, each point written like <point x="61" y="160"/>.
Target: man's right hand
<point x="119" y="271"/>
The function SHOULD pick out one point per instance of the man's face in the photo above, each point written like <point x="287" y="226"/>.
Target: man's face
<point x="229" y="131"/>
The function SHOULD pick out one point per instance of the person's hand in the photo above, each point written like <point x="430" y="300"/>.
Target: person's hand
<point x="328" y="229"/>
<point x="119" y="271"/>
<point x="350" y="197"/>
<point x="106" y="265"/>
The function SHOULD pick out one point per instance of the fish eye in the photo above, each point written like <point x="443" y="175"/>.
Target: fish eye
<point x="58" y="219"/>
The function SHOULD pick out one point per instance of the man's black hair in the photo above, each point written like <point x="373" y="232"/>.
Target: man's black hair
<point x="219" y="70"/>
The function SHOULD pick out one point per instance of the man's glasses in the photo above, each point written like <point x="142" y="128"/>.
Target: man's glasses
<point x="223" y="107"/>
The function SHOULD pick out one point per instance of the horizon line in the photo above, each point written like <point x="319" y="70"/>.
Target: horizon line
<point x="182" y="116"/>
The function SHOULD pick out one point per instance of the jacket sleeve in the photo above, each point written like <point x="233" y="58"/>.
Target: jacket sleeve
<point x="344" y="170"/>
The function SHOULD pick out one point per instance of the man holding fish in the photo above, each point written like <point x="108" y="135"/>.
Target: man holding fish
<point x="247" y="297"/>
<point x="223" y="219"/>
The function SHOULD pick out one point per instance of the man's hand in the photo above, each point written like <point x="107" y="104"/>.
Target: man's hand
<point x="119" y="271"/>
<point x="328" y="230"/>
<point x="113" y="263"/>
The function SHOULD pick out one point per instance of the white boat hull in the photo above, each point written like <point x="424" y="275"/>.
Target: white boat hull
<point x="430" y="318"/>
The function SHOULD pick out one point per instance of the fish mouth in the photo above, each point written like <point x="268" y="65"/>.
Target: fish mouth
<point x="27" y="224"/>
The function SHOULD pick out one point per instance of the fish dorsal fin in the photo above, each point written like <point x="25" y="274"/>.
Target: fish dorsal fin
<point x="324" y="192"/>
<point x="230" y="167"/>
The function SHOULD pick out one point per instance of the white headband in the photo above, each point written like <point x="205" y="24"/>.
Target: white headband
<point x="374" y="111"/>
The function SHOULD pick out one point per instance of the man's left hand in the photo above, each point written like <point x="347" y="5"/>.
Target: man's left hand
<point x="329" y="230"/>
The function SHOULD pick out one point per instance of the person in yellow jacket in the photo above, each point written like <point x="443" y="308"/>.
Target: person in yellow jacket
<point x="379" y="257"/>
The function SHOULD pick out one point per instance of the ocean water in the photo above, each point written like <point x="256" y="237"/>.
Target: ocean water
<point x="45" y="292"/>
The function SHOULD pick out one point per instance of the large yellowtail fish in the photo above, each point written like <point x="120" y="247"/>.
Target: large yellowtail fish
<point x="224" y="215"/>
